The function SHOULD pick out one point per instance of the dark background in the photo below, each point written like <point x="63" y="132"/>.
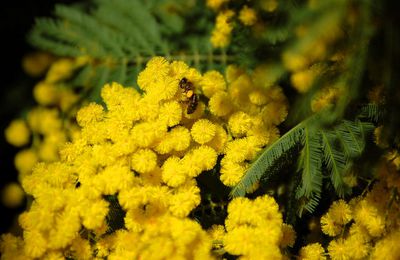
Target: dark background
<point x="16" y="19"/>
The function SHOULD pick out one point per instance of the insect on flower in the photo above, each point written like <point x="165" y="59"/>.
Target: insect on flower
<point x="192" y="99"/>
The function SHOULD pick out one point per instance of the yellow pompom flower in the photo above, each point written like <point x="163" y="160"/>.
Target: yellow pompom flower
<point x="35" y="64"/>
<point x="45" y="93"/>
<point x="220" y="104"/>
<point x="288" y="237"/>
<point x="233" y="72"/>
<point x="35" y="243"/>
<point x="339" y="249"/>
<point x="312" y="251"/>
<point x="240" y="123"/>
<point x="302" y="80"/>
<point x="17" y="133"/>
<point x="172" y="173"/>
<point x="24" y="161"/>
<point x="199" y="159"/>
<point x="59" y="70"/>
<point x="178" y="139"/>
<point x="219" y="140"/>
<point x="294" y="61"/>
<point x="212" y="82"/>
<point x="324" y="98"/>
<point x="258" y="97"/>
<point x="269" y="5"/>
<point x="94" y="214"/>
<point x="231" y="173"/>
<point x="185" y="198"/>
<point x="203" y="131"/>
<point x="90" y="113"/>
<point x="171" y="113"/>
<point x="12" y="195"/>
<point x="247" y="16"/>
<point x="215" y="4"/>
<point x="340" y="212"/>
<point x="329" y="226"/>
<point x="144" y="160"/>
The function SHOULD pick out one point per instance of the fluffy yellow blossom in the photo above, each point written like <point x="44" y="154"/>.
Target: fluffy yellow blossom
<point x="45" y="93"/>
<point x="258" y="97"/>
<point x="212" y="82"/>
<point x="288" y="235"/>
<point x="339" y="250"/>
<point x="172" y="173"/>
<point x="231" y="173"/>
<point x="91" y="113"/>
<point x="329" y="226"/>
<point x="247" y="16"/>
<point x="340" y="212"/>
<point x="144" y="160"/>
<point x="17" y="133"/>
<point x="203" y="131"/>
<point x="303" y="80"/>
<point x="171" y="113"/>
<point x="24" y="161"/>
<point x="233" y="72"/>
<point x="44" y="121"/>
<point x="59" y="70"/>
<point x="36" y="63"/>
<point x="294" y="61"/>
<point x="240" y="123"/>
<point x="269" y="5"/>
<point x="219" y="140"/>
<point x="215" y="4"/>
<point x="178" y="139"/>
<point x="312" y="252"/>
<point x="12" y="195"/>
<point x="324" y="98"/>
<point x="220" y="104"/>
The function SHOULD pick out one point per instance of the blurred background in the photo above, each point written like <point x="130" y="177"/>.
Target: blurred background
<point x="17" y="18"/>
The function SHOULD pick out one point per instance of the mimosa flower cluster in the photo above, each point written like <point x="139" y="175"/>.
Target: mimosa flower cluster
<point x="368" y="227"/>
<point x="145" y="150"/>
<point x="47" y="126"/>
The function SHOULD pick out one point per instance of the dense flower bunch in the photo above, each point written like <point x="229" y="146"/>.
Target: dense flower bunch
<point x="48" y="125"/>
<point x="144" y="150"/>
<point x="257" y="222"/>
<point x="368" y="226"/>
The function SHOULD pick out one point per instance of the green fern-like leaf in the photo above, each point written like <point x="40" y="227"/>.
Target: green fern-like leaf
<point x="267" y="158"/>
<point x="310" y="162"/>
<point x="335" y="160"/>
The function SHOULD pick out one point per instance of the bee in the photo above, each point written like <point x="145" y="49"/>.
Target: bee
<point x="191" y="97"/>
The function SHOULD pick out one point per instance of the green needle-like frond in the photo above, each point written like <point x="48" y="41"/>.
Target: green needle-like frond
<point x="267" y="159"/>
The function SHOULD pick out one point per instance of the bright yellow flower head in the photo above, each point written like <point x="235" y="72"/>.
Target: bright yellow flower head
<point x="312" y="252"/>
<point x="45" y="93"/>
<point x="24" y="161"/>
<point x="59" y="70"/>
<point x="17" y="133"/>
<point x="247" y="16"/>
<point x="212" y="82"/>
<point x="203" y="131"/>
<point x="12" y="195"/>
<point x="215" y="4"/>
